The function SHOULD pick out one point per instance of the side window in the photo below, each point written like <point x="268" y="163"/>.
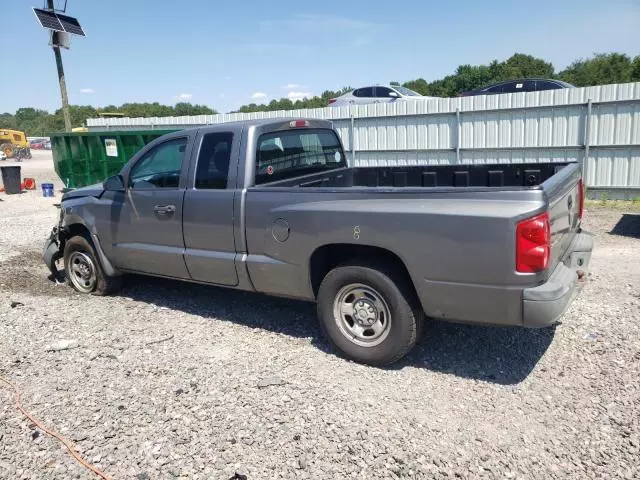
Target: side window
<point x="213" y="162"/>
<point x="513" y="87"/>
<point x="383" y="92"/>
<point x="292" y="153"/>
<point x="546" y="85"/>
<point x="366" y="92"/>
<point x="160" y="167"/>
<point x="495" y="89"/>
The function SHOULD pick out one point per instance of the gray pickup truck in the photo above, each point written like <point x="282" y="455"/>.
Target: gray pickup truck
<point x="271" y="206"/>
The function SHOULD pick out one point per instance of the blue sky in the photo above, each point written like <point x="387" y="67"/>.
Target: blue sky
<point x="225" y="54"/>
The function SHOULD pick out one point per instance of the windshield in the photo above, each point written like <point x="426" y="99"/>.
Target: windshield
<point x="406" y="92"/>
<point x="289" y="153"/>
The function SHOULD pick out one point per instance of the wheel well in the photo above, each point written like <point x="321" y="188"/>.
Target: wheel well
<point x="326" y="258"/>
<point x="76" y="229"/>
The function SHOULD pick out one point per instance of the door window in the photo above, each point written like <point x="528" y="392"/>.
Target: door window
<point x="160" y="167"/>
<point x="495" y="89"/>
<point x="213" y="162"/>
<point x="366" y="92"/>
<point x="383" y="92"/>
<point x="546" y="85"/>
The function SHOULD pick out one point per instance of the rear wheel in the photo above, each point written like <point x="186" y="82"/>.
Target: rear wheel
<point x="369" y="313"/>
<point x="83" y="270"/>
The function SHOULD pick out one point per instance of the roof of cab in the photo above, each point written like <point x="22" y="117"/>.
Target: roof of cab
<point x="259" y="122"/>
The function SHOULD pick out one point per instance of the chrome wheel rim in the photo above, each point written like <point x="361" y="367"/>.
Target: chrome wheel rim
<point x="362" y="315"/>
<point x="82" y="272"/>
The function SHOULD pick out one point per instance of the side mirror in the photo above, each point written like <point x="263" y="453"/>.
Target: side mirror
<point x="114" y="184"/>
<point x="394" y="95"/>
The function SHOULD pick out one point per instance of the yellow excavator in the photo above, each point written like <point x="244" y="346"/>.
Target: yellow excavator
<point x="12" y="141"/>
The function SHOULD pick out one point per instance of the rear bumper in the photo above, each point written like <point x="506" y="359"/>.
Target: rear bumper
<point x="543" y="305"/>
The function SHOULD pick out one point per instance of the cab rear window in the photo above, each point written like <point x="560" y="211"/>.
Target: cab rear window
<point x="290" y="153"/>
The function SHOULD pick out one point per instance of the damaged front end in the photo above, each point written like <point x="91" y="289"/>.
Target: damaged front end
<point x="54" y="250"/>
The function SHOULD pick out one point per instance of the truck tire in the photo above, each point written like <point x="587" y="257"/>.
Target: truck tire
<point x="83" y="270"/>
<point x="369" y="313"/>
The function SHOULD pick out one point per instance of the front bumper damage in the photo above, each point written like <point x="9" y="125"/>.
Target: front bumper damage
<point x="53" y="251"/>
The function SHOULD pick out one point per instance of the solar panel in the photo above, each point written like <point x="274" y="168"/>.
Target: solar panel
<point x="58" y="22"/>
<point x="70" y="24"/>
<point x="48" y="19"/>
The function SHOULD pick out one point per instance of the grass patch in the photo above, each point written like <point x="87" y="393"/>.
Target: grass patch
<point x="605" y="203"/>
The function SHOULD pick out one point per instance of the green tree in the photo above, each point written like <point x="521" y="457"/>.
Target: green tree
<point x="525" y="66"/>
<point x="8" y="121"/>
<point x="635" y="69"/>
<point x="470" y="77"/>
<point x="601" y="69"/>
<point x="184" y="108"/>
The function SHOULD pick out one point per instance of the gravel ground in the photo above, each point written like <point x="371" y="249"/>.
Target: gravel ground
<point x="243" y="384"/>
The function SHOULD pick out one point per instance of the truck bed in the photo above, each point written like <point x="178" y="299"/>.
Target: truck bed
<point x="494" y="176"/>
<point x="458" y="224"/>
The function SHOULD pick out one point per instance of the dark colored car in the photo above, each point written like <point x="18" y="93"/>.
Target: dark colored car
<point x="521" y="85"/>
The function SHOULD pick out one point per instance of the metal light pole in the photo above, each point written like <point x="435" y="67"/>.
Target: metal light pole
<point x="63" y="85"/>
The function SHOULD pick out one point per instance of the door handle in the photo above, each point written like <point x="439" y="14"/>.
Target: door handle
<point x="164" y="209"/>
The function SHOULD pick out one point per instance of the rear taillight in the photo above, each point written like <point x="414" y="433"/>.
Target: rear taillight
<point x="533" y="244"/>
<point x="580" y="198"/>
<point x="332" y="100"/>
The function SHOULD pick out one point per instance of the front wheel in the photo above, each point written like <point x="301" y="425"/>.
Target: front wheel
<point x="83" y="270"/>
<point x="369" y="313"/>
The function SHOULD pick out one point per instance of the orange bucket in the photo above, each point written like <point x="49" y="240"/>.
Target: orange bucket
<point x="29" y="183"/>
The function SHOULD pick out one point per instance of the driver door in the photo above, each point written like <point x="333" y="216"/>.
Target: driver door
<point x="148" y="233"/>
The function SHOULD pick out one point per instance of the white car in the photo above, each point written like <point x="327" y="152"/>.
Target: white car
<point x="376" y="94"/>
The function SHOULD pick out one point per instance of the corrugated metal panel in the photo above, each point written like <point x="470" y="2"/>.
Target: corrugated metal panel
<point x="547" y="126"/>
<point x="618" y="167"/>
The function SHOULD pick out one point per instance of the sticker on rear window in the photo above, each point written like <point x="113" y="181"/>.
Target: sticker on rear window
<point x="269" y="170"/>
<point x="337" y="156"/>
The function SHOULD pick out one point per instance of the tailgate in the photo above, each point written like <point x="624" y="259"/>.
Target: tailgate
<point x="564" y="195"/>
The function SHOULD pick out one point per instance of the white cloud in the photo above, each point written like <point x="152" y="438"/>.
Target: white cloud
<point x="184" y="96"/>
<point x="87" y="90"/>
<point x="222" y="95"/>
<point x="299" y="95"/>
<point x="258" y="95"/>
<point x="290" y="86"/>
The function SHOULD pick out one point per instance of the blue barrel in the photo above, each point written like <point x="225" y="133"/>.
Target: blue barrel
<point x="47" y="189"/>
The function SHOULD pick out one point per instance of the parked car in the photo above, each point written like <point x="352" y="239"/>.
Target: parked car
<point x="521" y="85"/>
<point x="376" y="94"/>
<point x="271" y="206"/>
